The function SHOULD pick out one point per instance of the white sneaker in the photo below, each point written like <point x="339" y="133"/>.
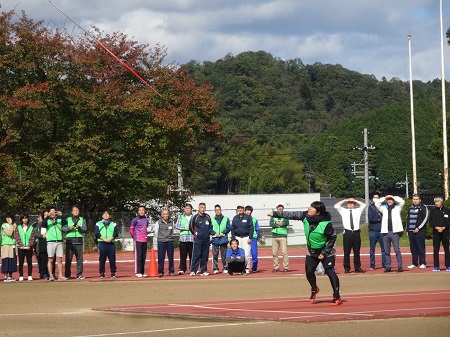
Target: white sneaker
<point x="225" y="271"/>
<point x="411" y="266"/>
<point x="216" y="272"/>
<point x="247" y="272"/>
<point x="192" y="274"/>
<point x="138" y="275"/>
<point x="20" y="278"/>
<point x="144" y="275"/>
<point x="181" y="272"/>
<point x="205" y="273"/>
<point x="30" y="278"/>
<point x="422" y="266"/>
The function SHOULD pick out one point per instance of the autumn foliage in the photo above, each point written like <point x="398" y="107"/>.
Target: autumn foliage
<point x="76" y="126"/>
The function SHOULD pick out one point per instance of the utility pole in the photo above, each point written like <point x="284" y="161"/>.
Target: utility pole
<point x="366" y="148"/>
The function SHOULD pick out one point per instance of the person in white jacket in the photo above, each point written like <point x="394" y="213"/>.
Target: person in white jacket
<point x="391" y="227"/>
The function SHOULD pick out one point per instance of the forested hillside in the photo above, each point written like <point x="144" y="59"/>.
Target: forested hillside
<point x="291" y="127"/>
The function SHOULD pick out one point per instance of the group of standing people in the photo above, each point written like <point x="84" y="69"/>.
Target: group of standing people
<point x="199" y="231"/>
<point x="386" y="228"/>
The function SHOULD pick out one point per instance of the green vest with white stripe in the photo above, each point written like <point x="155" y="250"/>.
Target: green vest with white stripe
<point x="219" y="227"/>
<point x="184" y="223"/>
<point x="106" y="232"/>
<point x="54" y="230"/>
<point x="7" y="240"/>
<point x="25" y="236"/>
<point x="74" y="233"/>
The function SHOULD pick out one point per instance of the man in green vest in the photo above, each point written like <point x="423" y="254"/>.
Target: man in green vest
<point x="51" y="230"/>
<point x="106" y="232"/>
<point x="74" y="228"/>
<point x="320" y="241"/>
<point x="279" y="239"/>
<point x="221" y="225"/>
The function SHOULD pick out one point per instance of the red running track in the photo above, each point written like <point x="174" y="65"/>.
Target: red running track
<point x="354" y="307"/>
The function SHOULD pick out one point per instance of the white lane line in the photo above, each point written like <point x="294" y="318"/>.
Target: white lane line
<point x="174" y="329"/>
<point x="272" y="311"/>
<point x="43" y="313"/>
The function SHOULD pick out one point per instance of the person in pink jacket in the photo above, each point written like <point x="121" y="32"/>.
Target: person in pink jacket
<point x="138" y="231"/>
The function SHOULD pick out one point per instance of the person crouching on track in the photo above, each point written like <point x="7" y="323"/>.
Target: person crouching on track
<point x="235" y="258"/>
<point x="320" y="239"/>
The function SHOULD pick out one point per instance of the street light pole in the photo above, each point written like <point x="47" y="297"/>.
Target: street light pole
<point x="413" y="133"/>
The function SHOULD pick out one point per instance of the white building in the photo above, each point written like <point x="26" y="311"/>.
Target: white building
<point x="262" y="204"/>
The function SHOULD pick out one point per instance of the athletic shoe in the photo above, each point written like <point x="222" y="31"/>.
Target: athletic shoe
<point x="285" y="270"/>
<point x="160" y="274"/>
<point x="63" y="278"/>
<point x="359" y="270"/>
<point x="436" y="269"/>
<point x="274" y="270"/>
<point x="20" y="278"/>
<point x="336" y="301"/>
<point x="314" y="293"/>
<point x="30" y="278"/>
<point x="138" y="275"/>
<point x="80" y="277"/>
<point x="8" y="279"/>
<point x="192" y="274"/>
<point x="247" y="272"/>
<point x="102" y="275"/>
<point x="447" y="269"/>
<point x="387" y="270"/>
<point x="171" y="274"/>
<point x="198" y="272"/>
<point x="144" y="275"/>
<point x="113" y="275"/>
<point x="372" y="268"/>
<point x="51" y="278"/>
<point x="225" y="271"/>
<point x="181" y="272"/>
<point x="216" y="272"/>
<point x="422" y="266"/>
<point x="411" y="266"/>
<point x="399" y="270"/>
<point x="205" y="273"/>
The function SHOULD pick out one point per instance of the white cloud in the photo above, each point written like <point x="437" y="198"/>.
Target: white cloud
<point x="365" y="36"/>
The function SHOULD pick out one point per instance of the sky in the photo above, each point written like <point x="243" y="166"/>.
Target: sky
<point x="369" y="37"/>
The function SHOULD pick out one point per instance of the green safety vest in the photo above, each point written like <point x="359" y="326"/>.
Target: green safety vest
<point x="282" y="231"/>
<point x="316" y="239"/>
<point x="255" y="234"/>
<point x="218" y="227"/>
<point x="54" y="230"/>
<point x="7" y="240"/>
<point x="184" y="224"/>
<point x="106" y="232"/>
<point x="25" y="236"/>
<point x="74" y="233"/>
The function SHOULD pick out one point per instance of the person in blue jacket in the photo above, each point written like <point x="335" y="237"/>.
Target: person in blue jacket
<point x="235" y="258"/>
<point x="200" y="225"/>
<point x="221" y="225"/>
<point x="375" y="234"/>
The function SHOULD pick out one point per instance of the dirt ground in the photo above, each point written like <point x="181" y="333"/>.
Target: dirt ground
<point x="65" y="308"/>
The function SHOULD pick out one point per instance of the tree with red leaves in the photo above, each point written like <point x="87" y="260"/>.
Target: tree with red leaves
<point x="76" y="126"/>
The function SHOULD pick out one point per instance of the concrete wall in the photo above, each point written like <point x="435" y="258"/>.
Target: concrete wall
<point x="262" y="204"/>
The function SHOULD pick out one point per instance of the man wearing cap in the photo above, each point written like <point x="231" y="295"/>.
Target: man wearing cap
<point x="351" y="217"/>
<point x="242" y="229"/>
<point x="391" y="226"/>
<point x="440" y="222"/>
<point x="279" y="239"/>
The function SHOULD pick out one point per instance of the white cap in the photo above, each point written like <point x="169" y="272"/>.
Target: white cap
<point x="279" y="204"/>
